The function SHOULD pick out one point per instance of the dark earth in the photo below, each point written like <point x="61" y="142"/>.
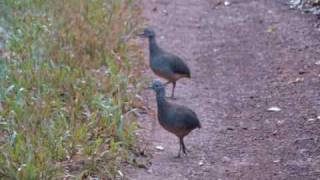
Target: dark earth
<point x="245" y="58"/>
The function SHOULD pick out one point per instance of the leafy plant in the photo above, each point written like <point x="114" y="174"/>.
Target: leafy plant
<point x="64" y="87"/>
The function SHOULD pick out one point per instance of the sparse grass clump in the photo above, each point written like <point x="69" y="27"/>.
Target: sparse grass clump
<point x="66" y="87"/>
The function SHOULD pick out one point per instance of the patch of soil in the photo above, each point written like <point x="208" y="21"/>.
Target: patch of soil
<point x="245" y="58"/>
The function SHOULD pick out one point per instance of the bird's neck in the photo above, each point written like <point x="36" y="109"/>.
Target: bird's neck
<point x="153" y="46"/>
<point x="161" y="100"/>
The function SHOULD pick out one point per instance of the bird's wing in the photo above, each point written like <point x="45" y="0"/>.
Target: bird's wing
<point x="177" y="64"/>
<point x="187" y="117"/>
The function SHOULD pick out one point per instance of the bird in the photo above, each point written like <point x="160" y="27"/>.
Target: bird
<point x="177" y="119"/>
<point x="164" y="64"/>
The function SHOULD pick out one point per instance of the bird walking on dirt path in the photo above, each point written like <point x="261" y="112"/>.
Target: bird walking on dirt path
<point x="165" y="64"/>
<point x="176" y="119"/>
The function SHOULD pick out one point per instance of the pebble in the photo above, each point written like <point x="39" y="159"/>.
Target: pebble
<point x="160" y="148"/>
<point x="120" y="173"/>
<point x="274" y="109"/>
<point x="311" y="119"/>
<point x="201" y="163"/>
<point x="227" y="3"/>
<point x="276" y="160"/>
<point x="226" y="159"/>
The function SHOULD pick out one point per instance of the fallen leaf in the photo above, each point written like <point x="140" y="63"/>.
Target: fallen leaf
<point x="271" y="29"/>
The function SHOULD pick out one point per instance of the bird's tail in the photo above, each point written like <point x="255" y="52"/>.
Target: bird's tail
<point x="199" y="125"/>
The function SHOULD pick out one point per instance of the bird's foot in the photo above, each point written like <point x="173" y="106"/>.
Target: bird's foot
<point x="185" y="153"/>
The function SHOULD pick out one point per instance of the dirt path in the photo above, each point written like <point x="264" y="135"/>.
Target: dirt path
<point x="244" y="58"/>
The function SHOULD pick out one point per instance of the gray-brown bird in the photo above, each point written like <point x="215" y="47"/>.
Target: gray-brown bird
<point x="165" y="64"/>
<point x="176" y="119"/>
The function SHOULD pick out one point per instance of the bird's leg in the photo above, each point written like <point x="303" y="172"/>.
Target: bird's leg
<point x="173" y="87"/>
<point x="184" y="149"/>
<point x="180" y="148"/>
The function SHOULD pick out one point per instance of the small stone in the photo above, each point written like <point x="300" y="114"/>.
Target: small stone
<point x="276" y="160"/>
<point x="165" y="12"/>
<point x="311" y="119"/>
<point x="227" y="3"/>
<point x="274" y="133"/>
<point x="274" y="109"/>
<point x="154" y="9"/>
<point x="160" y="148"/>
<point x="201" y="163"/>
<point x="140" y="165"/>
<point x="149" y="171"/>
<point x="317" y="63"/>
<point x="226" y="159"/>
<point x="120" y="173"/>
<point x="280" y="122"/>
<point x="318" y="117"/>
<point x="230" y="128"/>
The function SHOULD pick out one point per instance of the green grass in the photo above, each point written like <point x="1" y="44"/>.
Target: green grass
<point x="68" y="77"/>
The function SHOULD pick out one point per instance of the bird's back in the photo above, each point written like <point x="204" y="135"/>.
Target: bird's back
<point x="169" y="64"/>
<point x="178" y="119"/>
<point x="187" y="117"/>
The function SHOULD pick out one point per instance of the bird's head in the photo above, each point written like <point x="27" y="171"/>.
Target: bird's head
<point x="157" y="86"/>
<point x="147" y="33"/>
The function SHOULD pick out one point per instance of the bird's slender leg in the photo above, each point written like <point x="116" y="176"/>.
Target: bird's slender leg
<point x="180" y="148"/>
<point x="173" y="87"/>
<point x="184" y="149"/>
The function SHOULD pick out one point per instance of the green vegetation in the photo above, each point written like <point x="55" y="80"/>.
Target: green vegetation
<point x="67" y="87"/>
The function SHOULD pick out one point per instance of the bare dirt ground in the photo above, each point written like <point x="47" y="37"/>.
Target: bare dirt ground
<point x="245" y="58"/>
